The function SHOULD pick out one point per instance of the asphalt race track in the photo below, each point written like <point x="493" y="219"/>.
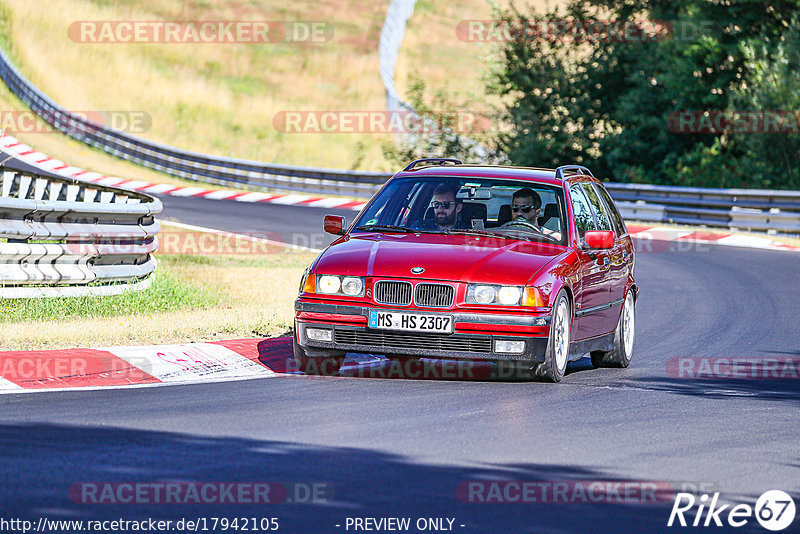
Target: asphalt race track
<point x="406" y="448"/>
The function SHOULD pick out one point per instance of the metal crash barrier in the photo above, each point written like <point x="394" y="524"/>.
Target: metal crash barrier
<point x="64" y="237"/>
<point x="737" y="209"/>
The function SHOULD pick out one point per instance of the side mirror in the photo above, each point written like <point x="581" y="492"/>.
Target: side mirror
<point x="599" y="239"/>
<point x="334" y="224"/>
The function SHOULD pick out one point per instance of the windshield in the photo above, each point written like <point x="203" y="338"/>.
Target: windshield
<point x="511" y="209"/>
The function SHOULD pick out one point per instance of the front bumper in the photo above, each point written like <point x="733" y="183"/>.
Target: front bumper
<point x="474" y="337"/>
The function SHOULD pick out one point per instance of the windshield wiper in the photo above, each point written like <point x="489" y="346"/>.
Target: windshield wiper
<point x="475" y="231"/>
<point x="385" y="227"/>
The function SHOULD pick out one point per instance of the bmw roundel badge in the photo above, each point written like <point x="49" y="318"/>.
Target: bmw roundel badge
<point x="417" y="270"/>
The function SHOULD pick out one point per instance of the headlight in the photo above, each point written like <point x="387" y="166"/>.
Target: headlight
<point x="490" y="294"/>
<point x="484" y="294"/>
<point x="331" y="284"/>
<point x="352" y="285"/>
<point x="509" y="295"/>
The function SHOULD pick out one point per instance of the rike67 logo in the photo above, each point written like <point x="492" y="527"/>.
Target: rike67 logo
<point x="774" y="510"/>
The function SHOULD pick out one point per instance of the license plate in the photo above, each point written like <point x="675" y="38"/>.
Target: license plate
<point x="411" y="322"/>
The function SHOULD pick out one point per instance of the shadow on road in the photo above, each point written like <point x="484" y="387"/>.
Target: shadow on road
<point x="781" y="390"/>
<point x="43" y="461"/>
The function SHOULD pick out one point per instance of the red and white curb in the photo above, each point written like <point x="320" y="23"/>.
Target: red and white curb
<point x="25" y="153"/>
<point x="647" y="239"/>
<point x="189" y="363"/>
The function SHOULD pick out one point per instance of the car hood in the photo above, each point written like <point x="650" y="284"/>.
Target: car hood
<point x="463" y="258"/>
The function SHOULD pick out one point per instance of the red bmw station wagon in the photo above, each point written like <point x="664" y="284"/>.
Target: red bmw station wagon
<point x="529" y="267"/>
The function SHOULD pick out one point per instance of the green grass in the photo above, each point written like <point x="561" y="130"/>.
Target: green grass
<point x="166" y="293"/>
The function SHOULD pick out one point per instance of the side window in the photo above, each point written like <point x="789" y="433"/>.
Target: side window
<point x="612" y="208"/>
<point x="584" y="220"/>
<point x="599" y="209"/>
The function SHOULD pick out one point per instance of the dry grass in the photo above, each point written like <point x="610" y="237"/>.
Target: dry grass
<point x="216" y="98"/>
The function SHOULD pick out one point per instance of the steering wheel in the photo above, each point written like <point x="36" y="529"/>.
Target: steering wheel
<point x="523" y="224"/>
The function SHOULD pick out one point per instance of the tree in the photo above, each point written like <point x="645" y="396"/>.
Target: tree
<point x="612" y="101"/>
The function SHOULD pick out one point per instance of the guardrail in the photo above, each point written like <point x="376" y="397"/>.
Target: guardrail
<point x="745" y="209"/>
<point x="65" y="237"/>
<point x="737" y="209"/>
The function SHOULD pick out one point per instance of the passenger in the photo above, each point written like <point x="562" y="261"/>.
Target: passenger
<point x="526" y="206"/>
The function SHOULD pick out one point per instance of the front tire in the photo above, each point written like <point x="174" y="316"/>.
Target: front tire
<point x="557" y="353"/>
<point x="316" y="365"/>
<point x="620" y="355"/>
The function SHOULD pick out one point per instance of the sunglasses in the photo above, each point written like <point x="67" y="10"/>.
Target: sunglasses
<point x="444" y="205"/>
<point x="523" y="209"/>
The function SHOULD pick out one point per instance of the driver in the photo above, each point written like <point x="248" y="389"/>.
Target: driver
<point x="526" y="206"/>
<point x="445" y="209"/>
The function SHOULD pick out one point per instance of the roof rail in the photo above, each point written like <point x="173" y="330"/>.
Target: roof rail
<point x="437" y="161"/>
<point x="580" y="168"/>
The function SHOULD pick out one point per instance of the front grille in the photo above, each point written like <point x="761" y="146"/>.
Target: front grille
<point x="390" y="292"/>
<point x="434" y="295"/>
<point x="414" y="340"/>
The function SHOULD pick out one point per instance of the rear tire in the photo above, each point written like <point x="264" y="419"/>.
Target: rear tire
<point x="620" y="355"/>
<point x="557" y="353"/>
<point x="316" y="365"/>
